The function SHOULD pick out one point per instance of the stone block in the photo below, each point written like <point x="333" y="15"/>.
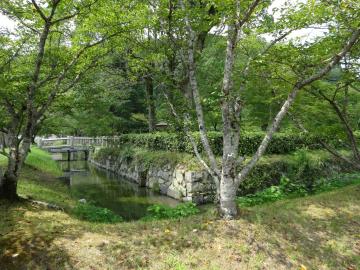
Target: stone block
<point x="164" y="174"/>
<point x="179" y="175"/>
<point x="187" y="199"/>
<point x="198" y="199"/>
<point x="199" y="177"/>
<point x="151" y="182"/>
<point x="174" y="193"/>
<point x="164" y="189"/>
<point x="188" y="176"/>
<point x="197" y="187"/>
<point x="179" y="186"/>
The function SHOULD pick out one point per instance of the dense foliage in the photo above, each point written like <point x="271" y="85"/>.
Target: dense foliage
<point x="158" y="211"/>
<point x="282" y="143"/>
<point x="287" y="189"/>
<point x="92" y="213"/>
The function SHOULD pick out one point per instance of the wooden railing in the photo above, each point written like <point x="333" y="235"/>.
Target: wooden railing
<point x="76" y="141"/>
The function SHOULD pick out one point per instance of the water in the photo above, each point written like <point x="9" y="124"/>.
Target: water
<point x="108" y="190"/>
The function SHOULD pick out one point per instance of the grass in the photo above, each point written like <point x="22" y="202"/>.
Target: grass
<point x="39" y="160"/>
<point x="45" y="187"/>
<point x="316" y="232"/>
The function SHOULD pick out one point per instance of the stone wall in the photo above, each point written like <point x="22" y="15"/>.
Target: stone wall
<point x="177" y="182"/>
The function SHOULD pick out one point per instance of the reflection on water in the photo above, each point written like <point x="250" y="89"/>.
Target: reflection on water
<point x="107" y="190"/>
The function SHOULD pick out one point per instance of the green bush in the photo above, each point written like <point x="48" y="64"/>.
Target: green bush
<point x="158" y="211"/>
<point x="282" y="143"/>
<point x="289" y="189"/>
<point x="270" y="194"/>
<point x="125" y="152"/>
<point x="302" y="169"/>
<point x="93" y="213"/>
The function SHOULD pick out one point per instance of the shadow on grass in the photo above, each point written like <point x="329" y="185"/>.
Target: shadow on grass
<point x="27" y="238"/>
<point x="317" y="232"/>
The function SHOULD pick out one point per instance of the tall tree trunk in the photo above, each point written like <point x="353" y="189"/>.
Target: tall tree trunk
<point x="150" y="102"/>
<point x="231" y="131"/>
<point x="228" y="188"/>
<point x="8" y="184"/>
<point x="16" y="158"/>
<point x="8" y="187"/>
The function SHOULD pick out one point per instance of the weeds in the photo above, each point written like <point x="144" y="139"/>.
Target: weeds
<point x="288" y="189"/>
<point x="158" y="211"/>
<point x="92" y="213"/>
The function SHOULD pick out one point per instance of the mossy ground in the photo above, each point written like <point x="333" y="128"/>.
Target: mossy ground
<point x="318" y="232"/>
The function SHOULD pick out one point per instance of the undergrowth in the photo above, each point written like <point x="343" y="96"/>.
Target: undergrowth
<point x="288" y="189"/>
<point x="158" y="211"/>
<point x="92" y="213"/>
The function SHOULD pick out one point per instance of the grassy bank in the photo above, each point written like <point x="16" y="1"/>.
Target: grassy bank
<point x="39" y="160"/>
<point x="318" y="232"/>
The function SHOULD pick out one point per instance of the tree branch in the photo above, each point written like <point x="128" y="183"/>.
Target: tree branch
<point x="192" y="140"/>
<point x="196" y="94"/>
<point x="38" y="9"/>
<point x="70" y="16"/>
<point x="248" y="13"/>
<point x="290" y="100"/>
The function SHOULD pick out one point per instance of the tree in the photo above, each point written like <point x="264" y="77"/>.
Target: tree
<point x="226" y="177"/>
<point x="55" y="50"/>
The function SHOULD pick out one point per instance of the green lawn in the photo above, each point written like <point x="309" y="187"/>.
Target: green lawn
<point x="313" y="232"/>
<point x="38" y="159"/>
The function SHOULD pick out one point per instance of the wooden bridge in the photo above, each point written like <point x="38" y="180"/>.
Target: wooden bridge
<point x="72" y="145"/>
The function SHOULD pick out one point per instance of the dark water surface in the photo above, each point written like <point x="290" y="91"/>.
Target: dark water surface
<point x="105" y="189"/>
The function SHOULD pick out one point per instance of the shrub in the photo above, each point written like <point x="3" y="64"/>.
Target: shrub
<point x="288" y="189"/>
<point x="125" y="152"/>
<point x="270" y="194"/>
<point x="93" y="213"/>
<point x="178" y="142"/>
<point x="158" y="211"/>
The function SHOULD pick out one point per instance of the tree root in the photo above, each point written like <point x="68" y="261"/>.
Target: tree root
<point x="44" y="204"/>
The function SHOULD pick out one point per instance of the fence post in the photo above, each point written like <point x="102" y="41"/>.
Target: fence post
<point x="72" y="141"/>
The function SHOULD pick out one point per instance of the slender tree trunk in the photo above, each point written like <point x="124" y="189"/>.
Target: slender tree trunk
<point x="150" y="102"/>
<point x="196" y="95"/>
<point x="341" y="114"/>
<point x="330" y="149"/>
<point x="350" y="134"/>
